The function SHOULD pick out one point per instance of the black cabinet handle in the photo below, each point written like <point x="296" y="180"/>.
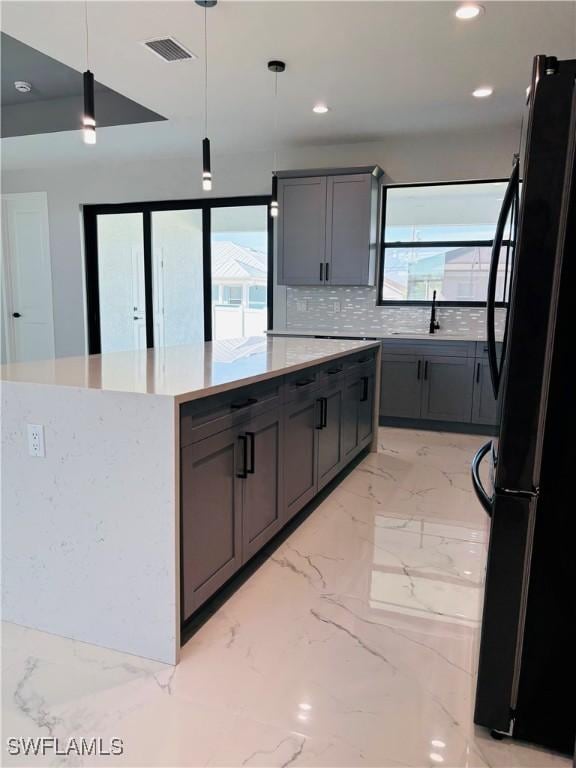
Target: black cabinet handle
<point x="324" y="412"/>
<point x="243" y="473"/>
<point x="477" y="373"/>
<point x="425" y="370"/>
<point x="364" y="381"/>
<point x="251" y="437"/>
<point x="332" y="371"/>
<point x="237" y="404"/>
<point x="303" y="382"/>
<point x="16" y="314"/>
<point x="419" y="368"/>
<point x="319" y="402"/>
<point x="321" y="271"/>
<point x="327" y="271"/>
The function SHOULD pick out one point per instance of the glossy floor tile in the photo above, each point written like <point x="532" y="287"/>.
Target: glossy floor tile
<point x="353" y="645"/>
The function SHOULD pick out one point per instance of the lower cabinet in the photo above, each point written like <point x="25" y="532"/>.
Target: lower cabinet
<point x="484" y="405"/>
<point x="242" y="484"/>
<point x="401" y="386"/>
<point x="447" y="388"/>
<point x="211" y="530"/>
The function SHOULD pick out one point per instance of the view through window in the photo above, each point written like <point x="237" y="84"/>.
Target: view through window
<point x="439" y="238"/>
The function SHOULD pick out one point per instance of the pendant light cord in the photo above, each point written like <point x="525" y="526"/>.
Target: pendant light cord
<point x="86" y="33"/>
<point x="275" y="122"/>
<point x="205" y="71"/>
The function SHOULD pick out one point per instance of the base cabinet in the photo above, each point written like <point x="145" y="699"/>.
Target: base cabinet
<point x="211" y="516"/>
<point x="401" y="386"/>
<point x="447" y="388"/>
<point x="273" y="450"/>
<point x="485" y="405"/>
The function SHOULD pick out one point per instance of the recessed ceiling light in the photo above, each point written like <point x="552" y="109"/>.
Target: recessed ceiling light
<point x="436" y="758"/>
<point x="438" y="742"/>
<point x="483" y="91"/>
<point x="469" y="11"/>
<point x="320" y="109"/>
<point x="22" y="86"/>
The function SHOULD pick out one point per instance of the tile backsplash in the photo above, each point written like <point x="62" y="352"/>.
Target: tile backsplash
<point x="355" y="310"/>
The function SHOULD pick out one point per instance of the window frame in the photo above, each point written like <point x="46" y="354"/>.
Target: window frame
<point x="90" y="215"/>
<point x="380" y="301"/>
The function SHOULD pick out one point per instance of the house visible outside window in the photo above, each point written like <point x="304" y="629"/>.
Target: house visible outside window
<point x="438" y="237"/>
<point x="257" y="296"/>
<point x="232" y="295"/>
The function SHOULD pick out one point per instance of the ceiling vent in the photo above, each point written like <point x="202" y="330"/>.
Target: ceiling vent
<point x="169" y="49"/>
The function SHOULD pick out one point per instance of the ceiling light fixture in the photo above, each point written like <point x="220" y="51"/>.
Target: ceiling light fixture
<point x="483" y="92"/>
<point x="469" y="11"/>
<point x="89" y="117"/>
<point x="320" y="109"/>
<point x="22" y="86"/>
<point x="276" y="67"/>
<point x="206" y="165"/>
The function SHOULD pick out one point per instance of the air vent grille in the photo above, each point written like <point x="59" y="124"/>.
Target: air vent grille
<point x="169" y="49"/>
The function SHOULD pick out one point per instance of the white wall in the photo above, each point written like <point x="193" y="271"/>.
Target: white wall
<point x="480" y="154"/>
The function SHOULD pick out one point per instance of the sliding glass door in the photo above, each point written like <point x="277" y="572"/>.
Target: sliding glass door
<point x="171" y="273"/>
<point x="239" y="246"/>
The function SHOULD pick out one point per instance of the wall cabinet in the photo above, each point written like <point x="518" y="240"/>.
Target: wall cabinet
<point x="328" y="227"/>
<point x="274" y="447"/>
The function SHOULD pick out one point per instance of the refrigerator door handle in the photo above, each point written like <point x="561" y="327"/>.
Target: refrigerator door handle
<point x="483" y="497"/>
<point x="508" y="202"/>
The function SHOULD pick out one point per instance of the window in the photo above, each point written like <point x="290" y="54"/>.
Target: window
<point x="257" y="296"/>
<point x="232" y="295"/>
<point x="438" y="237"/>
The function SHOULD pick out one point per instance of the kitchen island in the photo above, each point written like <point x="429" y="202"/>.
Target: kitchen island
<point x="164" y="471"/>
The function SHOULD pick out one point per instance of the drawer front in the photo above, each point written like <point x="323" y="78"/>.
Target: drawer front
<point x="443" y="347"/>
<point x="299" y="385"/>
<point x="207" y="416"/>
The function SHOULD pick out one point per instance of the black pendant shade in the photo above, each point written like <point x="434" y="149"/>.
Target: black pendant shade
<point x="89" y="118"/>
<point x="206" y="168"/>
<point x="274" y="201"/>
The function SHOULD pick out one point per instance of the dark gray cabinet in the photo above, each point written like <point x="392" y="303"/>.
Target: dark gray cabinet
<point x="447" y="388"/>
<point x="301" y="428"/>
<point x="327" y="228"/>
<point x="330" y="434"/>
<point x="301" y="242"/>
<point x="351" y="393"/>
<point x="211" y="516"/>
<point x="484" y="405"/>
<point x="401" y="386"/>
<point x="366" y="407"/>
<point x="263" y="502"/>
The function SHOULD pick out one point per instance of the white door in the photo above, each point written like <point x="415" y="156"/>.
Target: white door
<point x="26" y="279"/>
<point x="121" y="282"/>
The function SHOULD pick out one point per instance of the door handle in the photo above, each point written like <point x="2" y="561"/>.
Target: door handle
<point x="251" y="437"/>
<point x="319" y="402"/>
<point x="16" y="314"/>
<point x="364" y="397"/>
<point x="321" y="271"/>
<point x="332" y="371"/>
<point x="303" y="382"/>
<point x="419" y="369"/>
<point x="243" y="473"/>
<point x="237" y="404"/>
<point x="481" y="494"/>
<point x="426" y="370"/>
<point x="477" y="373"/>
<point x="327" y="271"/>
<point x="324" y="412"/>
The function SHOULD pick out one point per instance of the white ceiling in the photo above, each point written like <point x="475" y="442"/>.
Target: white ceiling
<point x="385" y="68"/>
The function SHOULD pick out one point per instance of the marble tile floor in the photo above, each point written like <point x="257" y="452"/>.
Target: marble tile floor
<point x="353" y="645"/>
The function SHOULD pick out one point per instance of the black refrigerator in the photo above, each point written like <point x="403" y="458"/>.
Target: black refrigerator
<point x="527" y="660"/>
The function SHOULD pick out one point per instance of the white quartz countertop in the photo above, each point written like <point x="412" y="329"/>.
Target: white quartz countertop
<point x="384" y="334"/>
<point x="186" y="372"/>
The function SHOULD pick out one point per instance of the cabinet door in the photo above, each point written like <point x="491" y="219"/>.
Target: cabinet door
<point x="401" y="386"/>
<point x="330" y="436"/>
<point x="366" y="409"/>
<point x="301" y="231"/>
<point x="300" y="440"/>
<point x="350" y="252"/>
<point x="352" y="392"/>
<point x="484" y="404"/>
<point x="447" y="388"/>
<point x="211" y="516"/>
<point x="263" y="498"/>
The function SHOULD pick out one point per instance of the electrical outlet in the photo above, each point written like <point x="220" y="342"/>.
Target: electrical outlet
<point x="36" y="440"/>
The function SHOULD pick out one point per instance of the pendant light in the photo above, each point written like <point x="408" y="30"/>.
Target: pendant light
<point x="89" y="117"/>
<point x="206" y="166"/>
<point x="276" y="67"/>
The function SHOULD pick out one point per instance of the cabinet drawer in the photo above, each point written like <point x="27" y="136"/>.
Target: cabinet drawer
<point x="361" y="364"/>
<point x="297" y="386"/>
<point x="444" y="347"/>
<point x="207" y="416"/>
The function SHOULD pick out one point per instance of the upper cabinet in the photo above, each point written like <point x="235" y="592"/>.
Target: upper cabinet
<point x="328" y="230"/>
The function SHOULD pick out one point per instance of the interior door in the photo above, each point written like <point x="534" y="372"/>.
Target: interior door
<point x="121" y="281"/>
<point x="26" y="278"/>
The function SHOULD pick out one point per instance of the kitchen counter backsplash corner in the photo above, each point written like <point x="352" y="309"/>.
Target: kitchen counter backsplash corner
<point x="354" y="310"/>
